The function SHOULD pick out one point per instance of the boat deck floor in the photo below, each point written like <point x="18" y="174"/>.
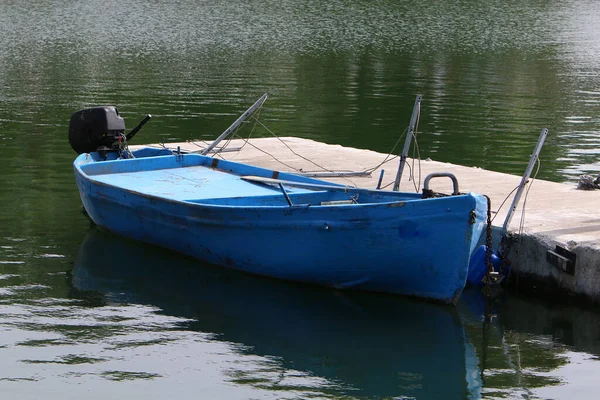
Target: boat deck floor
<point x="189" y="183"/>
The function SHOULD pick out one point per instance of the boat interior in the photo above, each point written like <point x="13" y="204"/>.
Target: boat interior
<point x="206" y="180"/>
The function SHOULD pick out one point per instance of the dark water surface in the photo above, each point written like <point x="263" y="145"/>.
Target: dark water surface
<point x="83" y="313"/>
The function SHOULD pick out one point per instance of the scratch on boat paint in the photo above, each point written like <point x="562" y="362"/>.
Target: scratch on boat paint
<point x="398" y="204"/>
<point x="350" y="284"/>
<point x="360" y="222"/>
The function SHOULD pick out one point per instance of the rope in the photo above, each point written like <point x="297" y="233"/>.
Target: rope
<point x="522" y="221"/>
<point x="255" y="116"/>
<point x="504" y="201"/>
<point x="505" y="244"/>
<point x="123" y="146"/>
<point x="410" y="175"/>
<point x="385" y="160"/>
<point x="488" y="244"/>
<point x="290" y="149"/>
<point x="273" y="157"/>
<point x="218" y="151"/>
<point x="416" y="148"/>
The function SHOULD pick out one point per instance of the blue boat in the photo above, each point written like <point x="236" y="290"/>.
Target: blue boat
<point x="274" y="223"/>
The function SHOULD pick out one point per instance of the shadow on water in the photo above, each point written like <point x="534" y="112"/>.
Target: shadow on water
<point x="572" y="325"/>
<point x="364" y="345"/>
<point x="526" y="343"/>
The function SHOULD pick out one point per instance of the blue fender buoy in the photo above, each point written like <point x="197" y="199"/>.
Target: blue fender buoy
<point x="477" y="266"/>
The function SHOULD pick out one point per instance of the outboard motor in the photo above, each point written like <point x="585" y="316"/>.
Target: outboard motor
<point x="95" y="128"/>
<point x="99" y="129"/>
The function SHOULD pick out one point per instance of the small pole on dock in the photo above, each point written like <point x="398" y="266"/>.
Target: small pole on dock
<point x="409" y="136"/>
<point x="524" y="180"/>
<point x="237" y="123"/>
<point x="380" y="179"/>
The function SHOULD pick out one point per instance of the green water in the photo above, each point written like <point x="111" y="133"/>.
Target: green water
<point x="80" y="314"/>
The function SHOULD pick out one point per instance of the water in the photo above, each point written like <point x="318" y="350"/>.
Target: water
<point x="125" y="314"/>
<point x="85" y="313"/>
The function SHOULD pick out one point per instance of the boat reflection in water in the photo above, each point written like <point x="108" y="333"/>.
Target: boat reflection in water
<point x="362" y="344"/>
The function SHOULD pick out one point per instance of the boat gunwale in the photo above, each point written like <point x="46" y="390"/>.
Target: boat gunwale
<point x="191" y="202"/>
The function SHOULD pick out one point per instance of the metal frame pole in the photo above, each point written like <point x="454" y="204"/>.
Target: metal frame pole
<point x="237" y="123"/>
<point x="407" y="142"/>
<point x="524" y="180"/>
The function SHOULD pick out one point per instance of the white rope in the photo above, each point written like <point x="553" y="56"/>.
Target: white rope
<point x="255" y="116"/>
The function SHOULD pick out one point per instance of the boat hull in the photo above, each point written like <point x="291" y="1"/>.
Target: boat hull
<point x="416" y="248"/>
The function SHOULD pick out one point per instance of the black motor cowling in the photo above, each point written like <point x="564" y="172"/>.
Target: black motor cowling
<point x="93" y="128"/>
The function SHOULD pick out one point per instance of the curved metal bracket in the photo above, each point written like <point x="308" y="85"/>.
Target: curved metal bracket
<point x="442" y="175"/>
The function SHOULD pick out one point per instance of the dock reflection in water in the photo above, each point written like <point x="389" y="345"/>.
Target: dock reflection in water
<point x="349" y="344"/>
<point x="532" y="347"/>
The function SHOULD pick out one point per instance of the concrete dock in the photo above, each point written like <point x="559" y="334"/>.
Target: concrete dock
<point x="555" y="214"/>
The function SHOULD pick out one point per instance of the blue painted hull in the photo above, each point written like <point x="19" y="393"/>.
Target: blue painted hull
<point x="388" y="242"/>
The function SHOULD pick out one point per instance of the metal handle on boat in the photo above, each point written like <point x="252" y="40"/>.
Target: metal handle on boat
<point x="442" y="175"/>
<point x="135" y="130"/>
